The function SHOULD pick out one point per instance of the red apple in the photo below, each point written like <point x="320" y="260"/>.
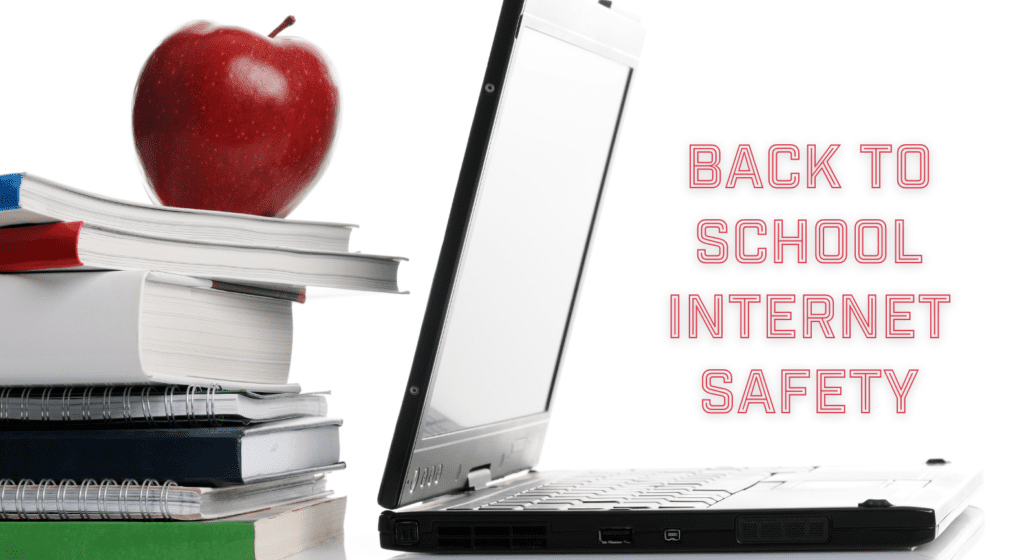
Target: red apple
<point x="225" y="119"/>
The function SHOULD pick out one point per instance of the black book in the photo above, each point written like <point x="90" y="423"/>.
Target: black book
<point x="212" y="456"/>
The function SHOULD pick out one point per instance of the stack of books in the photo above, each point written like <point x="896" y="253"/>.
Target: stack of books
<point x="145" y="402"/>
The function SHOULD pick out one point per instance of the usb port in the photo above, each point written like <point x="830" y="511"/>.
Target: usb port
<point x="616" y="535"/>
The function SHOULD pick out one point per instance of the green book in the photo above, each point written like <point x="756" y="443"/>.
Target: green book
<point x="270" y="534"/>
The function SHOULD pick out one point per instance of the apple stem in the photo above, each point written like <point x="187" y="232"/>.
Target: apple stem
<point x="288" y="21"/>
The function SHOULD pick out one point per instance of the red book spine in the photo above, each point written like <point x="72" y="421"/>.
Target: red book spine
<point x="41" y="247"/>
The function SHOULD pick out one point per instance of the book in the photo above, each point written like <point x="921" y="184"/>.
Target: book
<point x="137" y="327"/>
<point x="208" y="456"/>
<point x="82" y="246"/>
<point x="149" y="500"/>
<point x="271" y="534"/>
<point x="171" y="405"/>
<point x="26" y="199"/>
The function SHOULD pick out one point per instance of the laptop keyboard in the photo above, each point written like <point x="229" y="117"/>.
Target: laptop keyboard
<point x="627" y="490"/>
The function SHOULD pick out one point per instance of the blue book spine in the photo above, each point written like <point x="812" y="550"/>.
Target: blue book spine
<point x="10" y="189"/>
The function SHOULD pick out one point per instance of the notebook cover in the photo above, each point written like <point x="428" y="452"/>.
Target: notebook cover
<point x="191" y="457"/>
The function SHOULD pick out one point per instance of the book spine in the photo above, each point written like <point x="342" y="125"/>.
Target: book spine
<point x="85" y="540"/>
<point x="21" y="405"/>
<point x="10" y="192"/>
<point x="195" y="457"/>
<point x="108" y="500"/>
<point x="40" y="247"/>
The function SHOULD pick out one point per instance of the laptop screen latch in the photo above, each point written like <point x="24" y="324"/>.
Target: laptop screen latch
<point x="479" y="477"/>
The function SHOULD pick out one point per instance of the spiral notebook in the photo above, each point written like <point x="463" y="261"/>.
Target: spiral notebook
<point x="171" y="406"/>
<point x="108" y="500"/>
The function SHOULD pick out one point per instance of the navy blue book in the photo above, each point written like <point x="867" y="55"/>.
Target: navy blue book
<point x="213" y="456"/>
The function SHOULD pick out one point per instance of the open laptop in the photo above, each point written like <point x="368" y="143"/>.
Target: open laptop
<point x="459" y="475"/>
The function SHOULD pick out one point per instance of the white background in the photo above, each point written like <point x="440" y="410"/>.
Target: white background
<point x="946" y="75"/>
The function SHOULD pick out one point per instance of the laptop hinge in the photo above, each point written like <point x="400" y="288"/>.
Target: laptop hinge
<point x="479" y="477"/>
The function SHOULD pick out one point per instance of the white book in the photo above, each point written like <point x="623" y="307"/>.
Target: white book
<point x="138" y="328"/>
<point x="26" y="246"/>
<point x="27" y="199"/>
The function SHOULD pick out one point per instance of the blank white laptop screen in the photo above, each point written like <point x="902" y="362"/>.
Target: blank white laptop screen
<point x="519" y="267"/>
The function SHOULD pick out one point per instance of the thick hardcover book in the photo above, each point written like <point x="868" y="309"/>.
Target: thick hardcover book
<point x="136" y="327"/>
<point x="26" y="199"/>
<point x="222" y="456"/>
<point x="270" y="534"/>
<point x="82" y="246"/>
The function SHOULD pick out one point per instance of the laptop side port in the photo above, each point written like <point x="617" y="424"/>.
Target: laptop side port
<point x="673" y="535"/>
<point x="616" y="535"/>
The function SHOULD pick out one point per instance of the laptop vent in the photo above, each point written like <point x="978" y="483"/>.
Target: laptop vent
<point x="497" y="537"/>
<point x="780" y="529"/>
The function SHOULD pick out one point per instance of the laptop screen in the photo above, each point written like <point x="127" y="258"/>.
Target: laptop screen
<point x="523" y="252"/>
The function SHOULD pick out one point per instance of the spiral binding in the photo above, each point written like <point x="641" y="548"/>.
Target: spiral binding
<point x="116" y="405"/>
<point x="68" y="500"/>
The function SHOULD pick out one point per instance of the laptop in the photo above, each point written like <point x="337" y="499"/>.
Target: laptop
<point x="460" y="473"/>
